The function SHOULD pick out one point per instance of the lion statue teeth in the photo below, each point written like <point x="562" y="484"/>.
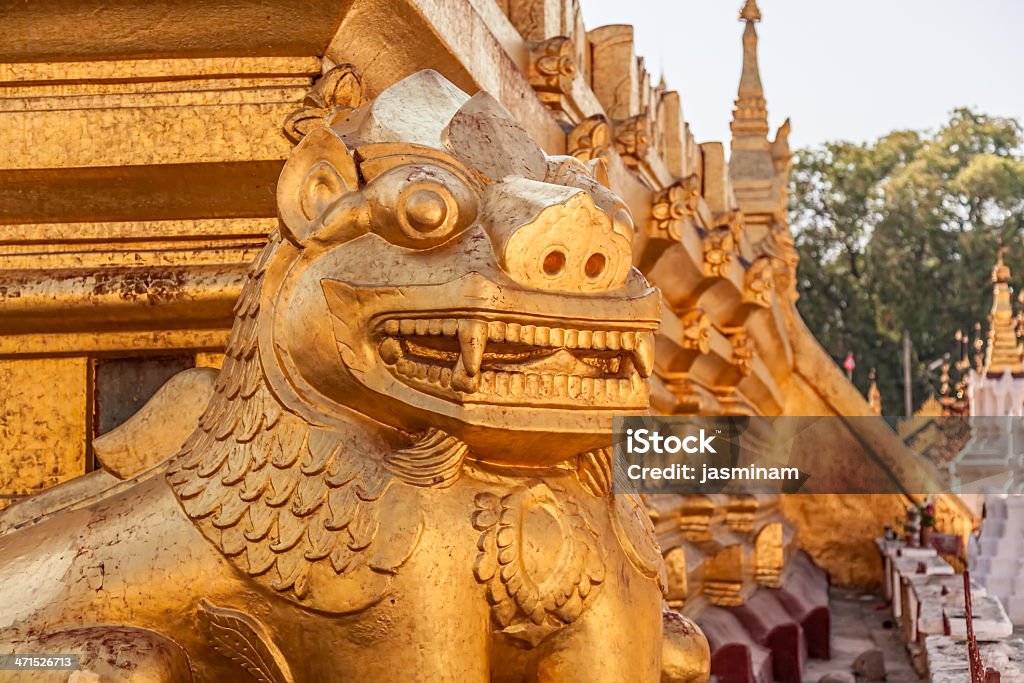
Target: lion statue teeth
<point x="403" y="471"/>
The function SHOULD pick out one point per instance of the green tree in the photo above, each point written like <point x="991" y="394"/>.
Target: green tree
<point x="901" y="234"/>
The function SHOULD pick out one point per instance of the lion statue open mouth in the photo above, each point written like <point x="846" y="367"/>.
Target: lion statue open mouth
<point x="403" y="470"/>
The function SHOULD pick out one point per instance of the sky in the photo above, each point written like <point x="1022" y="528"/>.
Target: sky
<point x="841" y="70"/>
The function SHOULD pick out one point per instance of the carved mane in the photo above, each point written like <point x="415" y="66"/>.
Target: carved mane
<point x="272" y="492"/>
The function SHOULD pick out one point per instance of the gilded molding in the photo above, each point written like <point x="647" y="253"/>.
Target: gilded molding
<point x="734" y="221"/>
<point x="591" y="139"/>
<point x="119" y="235"/>
<point x="553" y="65"/>
<point x="687" y="398"/>
<point x="334" y="94"/>
<point x="759" y="281"/>
<point x="128" y="70"/>
<point x="695" y="518"/>
<point x="742" y="349"/>
<point x="786" y="260"/>
<point x="674" y="205"/>
<point x="112" y="342"/>
<point x="740" y="511"/>
<point x="769" y="555"/>
<point x="724" y="576"/>
<point x="696" y="331"/>
<point x="633" y="139"/>
<point x="719" y="251"/>
<point x="223" y="123"/>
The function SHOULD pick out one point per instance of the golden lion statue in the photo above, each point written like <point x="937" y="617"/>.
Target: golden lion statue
<point x="402" y="472"/>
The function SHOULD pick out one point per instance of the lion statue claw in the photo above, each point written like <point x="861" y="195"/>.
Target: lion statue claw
<point x="403" y="471"/>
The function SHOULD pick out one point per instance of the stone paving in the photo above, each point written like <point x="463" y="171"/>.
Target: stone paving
<point x="948" y="659"/>
<point x="862" y="622"/>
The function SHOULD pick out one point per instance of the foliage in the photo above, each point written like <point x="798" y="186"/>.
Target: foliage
<point x="901" y="234"/>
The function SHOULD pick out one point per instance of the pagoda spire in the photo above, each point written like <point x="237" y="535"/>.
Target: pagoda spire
<point x="1003" y="351"/>
<point x="759" y="167"/>
<point x="750" y="115"/>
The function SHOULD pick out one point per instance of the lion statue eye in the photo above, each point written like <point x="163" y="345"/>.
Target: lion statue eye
<point x="420" y="206"/>
<point x="425" y="209"/>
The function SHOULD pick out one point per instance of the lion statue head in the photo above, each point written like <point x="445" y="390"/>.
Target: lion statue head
<point x="437" y="269"/>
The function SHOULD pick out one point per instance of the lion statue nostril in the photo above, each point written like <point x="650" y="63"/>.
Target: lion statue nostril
<point x="595" y="265"/>
<point x="554" y="262"/>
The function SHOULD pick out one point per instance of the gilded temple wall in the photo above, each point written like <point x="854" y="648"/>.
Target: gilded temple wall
<point x="137" y="180"/>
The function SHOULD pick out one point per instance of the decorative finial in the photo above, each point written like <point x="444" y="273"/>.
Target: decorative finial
<point x="979" y="348"/>
<point x="1001" y="272"/>
<point x="750" y="12"/>
<point x="962" y="339"/>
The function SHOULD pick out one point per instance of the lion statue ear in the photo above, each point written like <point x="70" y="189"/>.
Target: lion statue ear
<point x="319" y="171"/>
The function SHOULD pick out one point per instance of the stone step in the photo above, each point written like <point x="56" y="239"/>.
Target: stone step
<point x="1008" y="545"/>
<point x="999" y="585"/>
<point x="999" y="566"/>
<point x="1002" y="528"/>
<point x="1014" y="608"/>
<point x="1003" y="563"/>
<point x="992" y="528"/>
